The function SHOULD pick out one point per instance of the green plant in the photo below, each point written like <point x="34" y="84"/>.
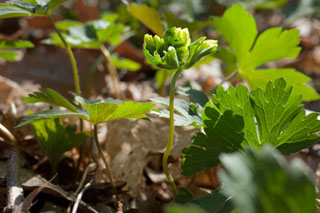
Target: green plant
<point x="248" y="51"/>
<point x="152" y="19"/>
<point x="55" y="138"/>
<point x="11" y="9"/>
<point x="94" y="112"/>
<point x="175" y="52"/>
<point x="93" y="35"/>
<point x="6" y="47"/>
<point x="236" y="119"/>
<point x="258" y="180"/>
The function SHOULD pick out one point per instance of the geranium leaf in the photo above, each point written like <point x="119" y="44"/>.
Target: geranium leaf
<point x="236" y="120"/>
<point x="239" y="29"/>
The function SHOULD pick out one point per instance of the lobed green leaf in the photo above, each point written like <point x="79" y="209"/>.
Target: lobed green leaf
<point x="236" y="120"/>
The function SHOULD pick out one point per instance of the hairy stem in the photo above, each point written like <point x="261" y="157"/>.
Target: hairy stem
<point x="112" y="70"/>
<point x="107" y="170"/>
<point x="71" y="57"/>
<point x="171" y="133"/>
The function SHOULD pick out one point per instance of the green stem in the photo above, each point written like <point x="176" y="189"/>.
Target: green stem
<point x="171" y="133"/>
<point x="162" y="86"/>
<point x="112" y="70"/>
<point x="107" y="170"/>
<point x="71" y="57"/>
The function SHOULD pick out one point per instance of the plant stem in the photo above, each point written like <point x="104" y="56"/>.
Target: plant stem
<point x="171" y="133"/>
<point x="71" y="57"/>
<point x="112" y="70"/>
<point x="162" y="86"/>
<point x="229" y="77"/>
<point x="107" y="170"/>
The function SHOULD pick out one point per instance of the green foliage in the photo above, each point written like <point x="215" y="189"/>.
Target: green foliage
<point x="50" y="96"/>
<point x="187" y="112"/>
<point x="125" y="63"/>
<point x="12" y="55"/>
<point x="236" y="120"/>
<point x="251" y="51"/>
<point x="258" y="4"/>
<point x="5" y="44"/>
<point x="175" y="50"/>
<point x="11" y="9"/>
<point x="188" y="208"/>
<point x="215" y="202"/>
<point x="90" y="35"/>
<point x="148" y="16"/>
<point x="55" y="139"/>
<point x="172" y="20"/>
<point x="93" y="111"/>
<point x="260" y="180"/>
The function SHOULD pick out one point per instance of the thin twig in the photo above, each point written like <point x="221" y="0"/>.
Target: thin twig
<point x="76" y="204"/>
<point x="14" y="188"/>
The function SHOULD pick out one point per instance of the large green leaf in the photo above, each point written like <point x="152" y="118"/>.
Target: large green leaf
<point x="262" y="181"/>
<point x="230" y="124"/>
<point x="239" y="29"/>
<point x="148" y="16"/>
<point x="93" y="111"/>
<point x="55" y="139"/>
